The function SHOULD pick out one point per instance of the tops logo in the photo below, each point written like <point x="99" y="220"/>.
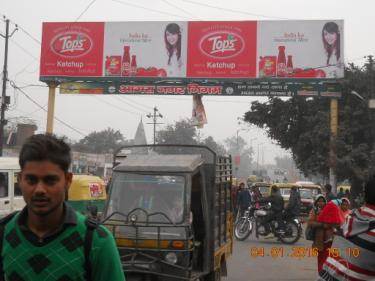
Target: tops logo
<point x="222" y="44"/>
<point x="71" y="44"/>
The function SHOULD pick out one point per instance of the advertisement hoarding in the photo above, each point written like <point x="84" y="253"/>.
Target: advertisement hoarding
<point x="145" y="49"/>
<point x="72" y="49"/>
<point x="222" y="49"/>
<point x="231" y="50"/>
<point x="300" y="49"/>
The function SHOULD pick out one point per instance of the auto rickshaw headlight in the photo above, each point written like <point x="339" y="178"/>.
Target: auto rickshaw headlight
<point x="171" y="258"/>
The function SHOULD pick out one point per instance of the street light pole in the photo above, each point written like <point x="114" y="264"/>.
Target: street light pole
<point x="258" y="156"/>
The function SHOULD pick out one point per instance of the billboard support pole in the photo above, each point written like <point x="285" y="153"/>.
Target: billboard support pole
<point x="332" y="146"/>
<point x="51" y="106"/>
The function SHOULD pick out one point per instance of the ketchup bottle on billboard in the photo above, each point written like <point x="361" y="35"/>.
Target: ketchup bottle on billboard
<point x="125" y="69"/>
<point x="133" y="66"/>
<point x="281" y="62"/>
<point x="107" y="65"/>
<point x="289" y="66"/>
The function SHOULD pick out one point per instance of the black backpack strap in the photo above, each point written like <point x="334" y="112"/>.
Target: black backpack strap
<point x="3" y="223"/>
<point x="91" y="225"/>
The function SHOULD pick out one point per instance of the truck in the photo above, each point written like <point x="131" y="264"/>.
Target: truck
<point x="170" y="210"/>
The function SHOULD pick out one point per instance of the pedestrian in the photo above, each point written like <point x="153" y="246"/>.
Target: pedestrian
<point x="341" y="193"/>
<point x="244" y="199"/>
<point x="48" y="240"/>
<point x="354" y="255"/>
<point x="329" y="194"/>
<point x="256" y="195"/>
<point x="294" y="204"/>
<point x="234" y="191"/>
<point x="347" y="194"/>
<point x="344" y="208"/>
<point x="323" y="232"/>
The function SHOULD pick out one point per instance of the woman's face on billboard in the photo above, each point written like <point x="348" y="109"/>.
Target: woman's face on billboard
<point x="172" y="38"/>
<point x="330" y="38"/>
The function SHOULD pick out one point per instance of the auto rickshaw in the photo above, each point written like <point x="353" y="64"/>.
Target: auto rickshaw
<point x="87" y="194"/>
<point x="264" y="188"/>
<point x="308" y="192"/>
<point x="170" y="212"/>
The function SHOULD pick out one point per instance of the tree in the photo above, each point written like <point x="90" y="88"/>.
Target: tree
<point x="105" y="141"/>
<point x="217" y="147"/>
<point x="237" y="146"/>
<point x="302" y="125"/>
<point x="184" y="132"/>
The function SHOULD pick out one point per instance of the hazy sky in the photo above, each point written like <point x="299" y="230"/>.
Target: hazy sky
<point x="89" y="113"/>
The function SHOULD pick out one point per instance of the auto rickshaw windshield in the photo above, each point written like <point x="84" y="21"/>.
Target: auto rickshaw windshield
<point x="306" y="193"/>
<point x="158" y="197"/>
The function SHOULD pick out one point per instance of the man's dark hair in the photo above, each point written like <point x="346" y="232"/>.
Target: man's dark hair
<point x="44" y="147"/>
<point x="328" y="187"/>
<point x="370" y="191"/>
<point x="274" y="189"/>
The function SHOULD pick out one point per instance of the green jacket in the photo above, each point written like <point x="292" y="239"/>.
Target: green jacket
<point x="60" y="255"/>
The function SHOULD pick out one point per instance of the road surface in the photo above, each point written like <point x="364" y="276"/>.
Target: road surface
<point x="267" y="260"/>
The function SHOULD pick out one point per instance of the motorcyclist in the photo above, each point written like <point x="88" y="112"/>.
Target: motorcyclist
<point x="277" y="206"/>
<point x="294" y="205"/>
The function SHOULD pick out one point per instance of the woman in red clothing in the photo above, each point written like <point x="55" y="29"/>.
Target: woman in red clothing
<point x="323" y="231"/>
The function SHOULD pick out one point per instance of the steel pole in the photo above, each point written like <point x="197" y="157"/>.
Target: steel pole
<point x="332" y="146"/>
<point x="3" y="93"/>
<point x="51" y="107"/>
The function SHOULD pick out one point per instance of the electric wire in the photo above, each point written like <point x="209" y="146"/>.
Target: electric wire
<point x="124" y="102"/>
<point x="42" y="108"/>
<point x="24" y="50"/>
<point x="179" y="8"/>
<point x="137" y="103"/>
<point x="85" y="10"/>
<point x="117" y="107"/>
<point x="233" y="10"/>
<point x="148" y="9"/>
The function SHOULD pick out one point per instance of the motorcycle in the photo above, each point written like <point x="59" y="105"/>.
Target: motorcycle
<point x="254" y="217"/>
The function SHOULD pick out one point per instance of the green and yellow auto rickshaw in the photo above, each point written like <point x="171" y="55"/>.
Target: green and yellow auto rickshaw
<point x="87" y="193"/>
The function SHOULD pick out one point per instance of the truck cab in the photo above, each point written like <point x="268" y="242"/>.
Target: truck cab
<point x="170" y="212"/>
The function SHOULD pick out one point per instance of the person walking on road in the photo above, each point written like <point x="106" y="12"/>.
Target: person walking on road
<point x="244" y="199"/>
<point x="48" y="240"/>
<point x="294" y="205"/>
<point x="341" y="193"/>
<point x="322" y="232"/>
<point x="329" y="195"/>
<point x="353" y="257"/>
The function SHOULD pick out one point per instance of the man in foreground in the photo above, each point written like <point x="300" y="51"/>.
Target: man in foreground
<point x="352" y="255"/>
<point x="48" y="240"/>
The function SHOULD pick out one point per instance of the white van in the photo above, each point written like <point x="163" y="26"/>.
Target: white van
<point x="10" y="193"/>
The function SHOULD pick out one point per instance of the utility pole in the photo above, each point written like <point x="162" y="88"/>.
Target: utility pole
<point x="4" y="100"/>
<point x="155" y="117"/>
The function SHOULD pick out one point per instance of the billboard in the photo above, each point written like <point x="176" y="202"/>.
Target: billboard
<point x="222" y="49"/>
<point x="98" y="51"/>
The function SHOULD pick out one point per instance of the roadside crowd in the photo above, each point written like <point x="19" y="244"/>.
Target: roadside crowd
<point x="344" y="238"/>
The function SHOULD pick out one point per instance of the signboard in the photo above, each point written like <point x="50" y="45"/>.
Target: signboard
<point x="229" y="89"/>
<point x="308" y="49"/>
<point x="222" y="49"/>
<point x="99" y="51"/>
